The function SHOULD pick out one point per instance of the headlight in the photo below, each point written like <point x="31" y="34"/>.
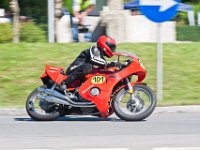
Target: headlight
<point x="141" y="64"/>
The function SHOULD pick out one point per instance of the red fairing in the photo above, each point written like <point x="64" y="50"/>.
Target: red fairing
<point x="43" y="75"/>
<point x="136" y="68"/>
<point x="55" y="73"/>
<point x="109" y="80"/>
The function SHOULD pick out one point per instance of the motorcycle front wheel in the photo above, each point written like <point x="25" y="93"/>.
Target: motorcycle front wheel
<point x="39" y="109"/>
<point x="136" y="106"/>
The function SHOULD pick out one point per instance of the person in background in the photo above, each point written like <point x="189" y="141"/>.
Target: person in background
<point x="78" y="9"/>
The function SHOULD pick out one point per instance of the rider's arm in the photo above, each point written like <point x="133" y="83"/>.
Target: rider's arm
<point x="95" y="57"/>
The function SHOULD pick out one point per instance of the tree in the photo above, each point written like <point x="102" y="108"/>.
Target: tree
<point x="15" y="9"/>
<point x="4" y="4"/>
<point x="34" y="9"/>
<point x="190" y="1"/>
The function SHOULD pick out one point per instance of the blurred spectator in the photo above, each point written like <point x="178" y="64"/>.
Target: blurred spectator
<point x="78" y="9"/>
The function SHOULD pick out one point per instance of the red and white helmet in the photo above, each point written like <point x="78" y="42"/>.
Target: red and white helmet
<point x="107" y="45"/>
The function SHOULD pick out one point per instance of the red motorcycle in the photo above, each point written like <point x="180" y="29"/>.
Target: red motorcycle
<point x="100" y="93"/>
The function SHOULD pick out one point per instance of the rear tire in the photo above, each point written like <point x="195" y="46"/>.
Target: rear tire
<point x="139" y="113"/>
<point x="49" y="115"/>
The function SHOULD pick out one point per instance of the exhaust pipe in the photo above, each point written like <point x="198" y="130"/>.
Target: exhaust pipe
<point x="52" y="92"/>
<point x="56" y="97"/>
<point x="53" y="99"/>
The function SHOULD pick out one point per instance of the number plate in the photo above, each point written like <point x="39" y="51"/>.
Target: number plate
<point x="98" y="79"/>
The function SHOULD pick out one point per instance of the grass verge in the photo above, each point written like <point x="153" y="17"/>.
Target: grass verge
<point x="22" y="64"/>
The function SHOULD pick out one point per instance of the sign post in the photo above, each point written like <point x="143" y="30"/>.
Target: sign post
<point x="51" y="21"/>
<point x="159" y="65"/>
<point x="159" y="11"/>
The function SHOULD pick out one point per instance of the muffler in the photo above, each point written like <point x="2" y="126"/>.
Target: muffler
<point x="53" y="99"/>
<point x="56" y="97"/>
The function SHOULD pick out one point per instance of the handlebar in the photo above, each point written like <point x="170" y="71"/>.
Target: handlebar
<point x="119" y="65"/>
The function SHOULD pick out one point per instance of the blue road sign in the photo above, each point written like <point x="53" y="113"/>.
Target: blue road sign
<point x="159" y="10"/>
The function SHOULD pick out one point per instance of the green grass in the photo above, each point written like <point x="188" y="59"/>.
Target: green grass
<point x="22" y="64"/>
<point x="188" y="33"/>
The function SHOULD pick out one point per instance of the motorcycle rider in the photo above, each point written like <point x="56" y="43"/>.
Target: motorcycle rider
<point x="90" y="58"/>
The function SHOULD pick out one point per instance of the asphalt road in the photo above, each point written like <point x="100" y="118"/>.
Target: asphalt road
<point x="161" y="131"/>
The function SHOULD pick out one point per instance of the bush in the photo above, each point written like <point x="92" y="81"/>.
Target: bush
<point x="188" y="33"/>
<point x="5" y="32"/>
<point x="32" y="33"/>
<point x="182" y="17"/>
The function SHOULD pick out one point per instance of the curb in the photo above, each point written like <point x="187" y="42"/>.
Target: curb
<point x="158" y="110"/>
<point x="12" y="111"/>
<point x="178" y="109"/>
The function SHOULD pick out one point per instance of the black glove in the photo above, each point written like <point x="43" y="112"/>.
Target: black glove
<point x="113" y="64"/>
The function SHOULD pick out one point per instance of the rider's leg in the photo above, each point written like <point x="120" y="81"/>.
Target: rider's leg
<point x="79" y="72"/>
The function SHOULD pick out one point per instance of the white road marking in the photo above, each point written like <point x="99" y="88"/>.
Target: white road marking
<point x="32" y="149"/>
<point x="103" y="149"/>
<point x="177" y="148"/>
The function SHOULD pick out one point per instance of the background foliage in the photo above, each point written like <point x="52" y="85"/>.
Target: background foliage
<point x="34" y="9"/>
<point x="5" y="33"/>
<point x="29" y="32"/>
<point x="188" y="33"/>
<point x="4" y="4"/>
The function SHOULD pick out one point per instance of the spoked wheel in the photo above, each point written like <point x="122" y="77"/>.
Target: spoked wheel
<point x="136" y="106"/>
<point x="39" y="109"/>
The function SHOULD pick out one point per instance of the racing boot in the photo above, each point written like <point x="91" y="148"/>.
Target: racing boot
<point x="66" y="82"/>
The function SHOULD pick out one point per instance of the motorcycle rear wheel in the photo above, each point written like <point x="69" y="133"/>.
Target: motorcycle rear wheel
<point x="40" y="110"/>
<point x="126" y="109"/>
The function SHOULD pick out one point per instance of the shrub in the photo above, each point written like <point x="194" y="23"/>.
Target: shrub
<point x="188" y="33"/>
<point x="182" y="17"/>
<point x="32" y="33"/>
<point x="5" y="32"/>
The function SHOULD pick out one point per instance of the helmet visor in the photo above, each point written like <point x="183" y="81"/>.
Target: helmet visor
<point x="111" y="46"/>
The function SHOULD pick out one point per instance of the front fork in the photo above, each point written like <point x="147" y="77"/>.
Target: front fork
<point x="131" y="92"/>
<point x="130" y="88"/>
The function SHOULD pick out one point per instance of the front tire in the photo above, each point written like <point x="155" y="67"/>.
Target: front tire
<point x="126" y="109"/>
<point x="39" y="109"/>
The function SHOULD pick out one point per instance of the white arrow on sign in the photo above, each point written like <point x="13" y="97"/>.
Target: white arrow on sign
<point x="164" y="4"/>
